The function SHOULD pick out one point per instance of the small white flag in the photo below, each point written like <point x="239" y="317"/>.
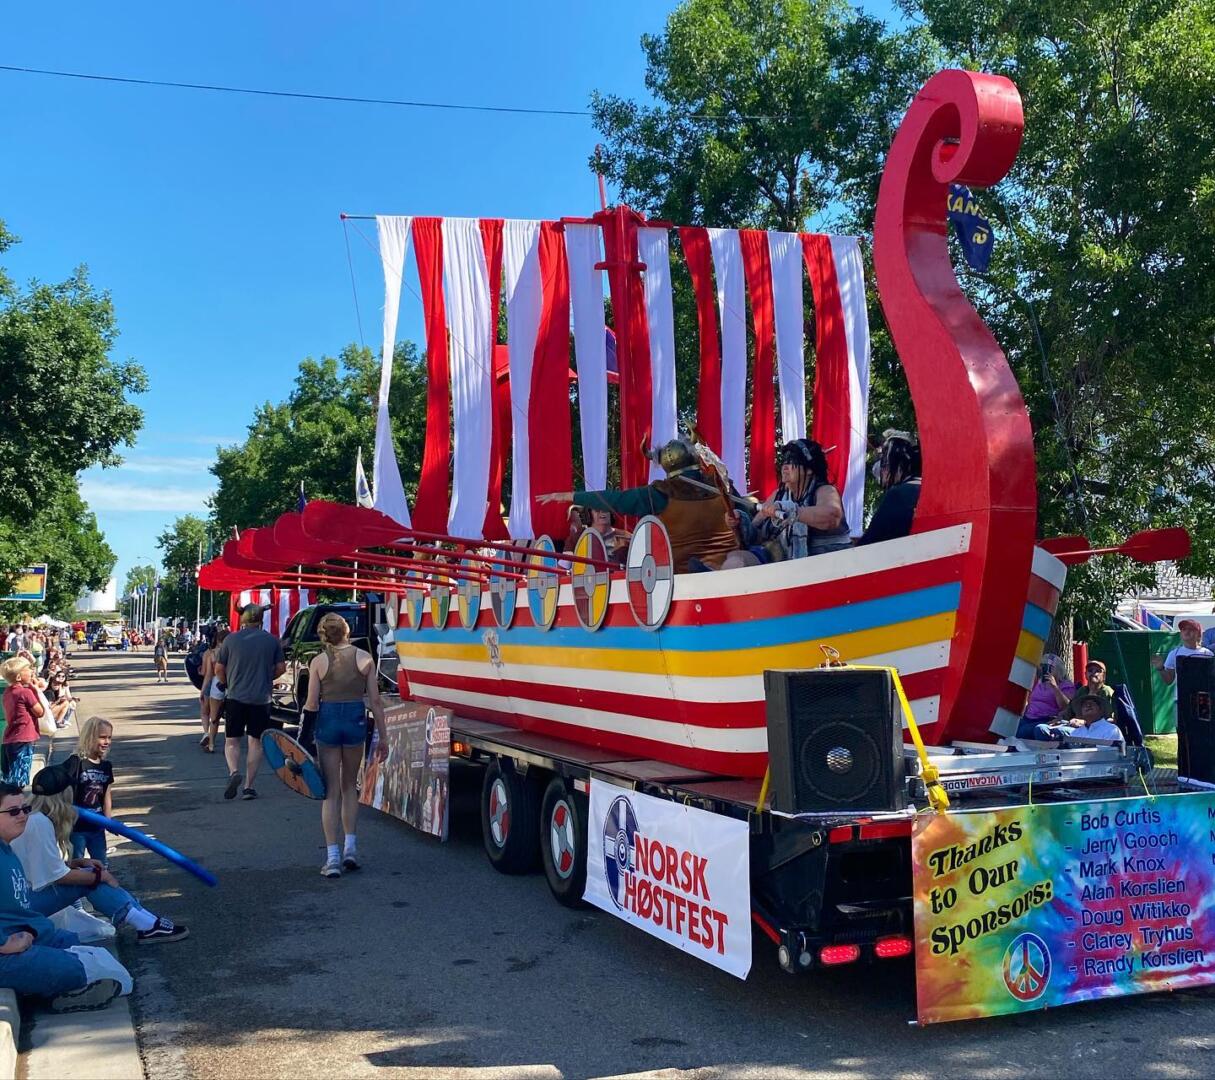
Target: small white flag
<point x="362" y="492"/>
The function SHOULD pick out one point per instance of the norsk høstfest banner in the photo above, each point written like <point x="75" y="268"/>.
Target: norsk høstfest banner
<point x="677" y="872"/>
<point x="1037" y="906"/>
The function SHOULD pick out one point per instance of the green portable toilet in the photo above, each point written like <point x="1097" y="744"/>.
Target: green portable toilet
<point x="1127" y="657"/>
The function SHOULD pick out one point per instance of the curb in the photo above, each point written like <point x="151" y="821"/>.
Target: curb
<point x="10" y="1032"/>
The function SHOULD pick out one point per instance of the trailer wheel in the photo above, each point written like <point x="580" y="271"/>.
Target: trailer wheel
<point x="510" y="825"/>
<point x="563" y="842"/>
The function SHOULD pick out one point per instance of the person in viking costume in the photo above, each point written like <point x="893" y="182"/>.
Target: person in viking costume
<point x="803" y="517"/>
<point x="691" y="501"/>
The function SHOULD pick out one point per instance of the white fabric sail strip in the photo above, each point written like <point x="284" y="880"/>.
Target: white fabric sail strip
<point x="850" y="273"/>
<point x="469" y="321"/>
<point x="386" y="473"/>
<point x="521" y="285"/>
<point x="785" y="252"/>
<point x="731" y="305"/>
<point x="582" y="252"/>
<point x="653" y="251"/>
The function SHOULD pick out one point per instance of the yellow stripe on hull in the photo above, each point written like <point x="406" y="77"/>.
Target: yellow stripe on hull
<point x="1029" y="648"/>
<point x="735" y="662"/>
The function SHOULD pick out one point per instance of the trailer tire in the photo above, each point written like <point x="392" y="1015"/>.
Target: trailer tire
<point x="510" y="819"/>
<point x="563" y="816"/>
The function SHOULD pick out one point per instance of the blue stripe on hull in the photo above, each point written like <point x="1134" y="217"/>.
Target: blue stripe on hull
<point x="783" y="630"/>
<point x="1036" y="621"/>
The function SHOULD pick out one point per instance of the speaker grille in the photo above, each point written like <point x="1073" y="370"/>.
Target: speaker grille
<point x="838" y="762"/>
<point x="834" y="740"/>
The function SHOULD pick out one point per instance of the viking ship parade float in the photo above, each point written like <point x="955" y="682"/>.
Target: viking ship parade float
<point x="825" y="746"/>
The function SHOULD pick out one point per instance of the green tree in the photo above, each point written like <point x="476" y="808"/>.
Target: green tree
<point x="766" y="114"/>
<point x="63" y="399"/>
<point x="1108" y="231"/>
<point x="65" y="407"/>
<point x="180" y="545"/>
<point x="314" y="436"/>
<point x="1105" y="228"/>
<point x="62" y="533"/>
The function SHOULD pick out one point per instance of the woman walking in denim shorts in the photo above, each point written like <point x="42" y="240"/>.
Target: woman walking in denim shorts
<point x="342" y="686"/>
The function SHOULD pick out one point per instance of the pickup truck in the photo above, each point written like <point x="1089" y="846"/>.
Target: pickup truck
<point x="301" y="643"/>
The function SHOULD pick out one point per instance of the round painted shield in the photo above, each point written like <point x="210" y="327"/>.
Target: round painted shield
<point x="503" y="597"/>
<point x="292" y="764"/>
<point x="591" y="584"/>
<point x="468" y="597"/>
<point x="415" y="599"/>
<point x="650" y="573"/>
<point x="543" y="584"/>
<point x="440" y="604"/>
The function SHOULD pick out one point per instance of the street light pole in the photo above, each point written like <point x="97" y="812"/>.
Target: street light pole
<point x="198" y="589"/>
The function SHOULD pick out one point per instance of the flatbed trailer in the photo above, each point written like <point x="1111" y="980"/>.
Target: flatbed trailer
<point x="826" y="888"/>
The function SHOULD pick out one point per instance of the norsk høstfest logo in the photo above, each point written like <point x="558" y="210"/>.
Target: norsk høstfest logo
<point x="659" y="882"/>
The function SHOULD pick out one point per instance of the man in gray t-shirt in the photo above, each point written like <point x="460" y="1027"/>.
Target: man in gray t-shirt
<point x="246" y="665"/>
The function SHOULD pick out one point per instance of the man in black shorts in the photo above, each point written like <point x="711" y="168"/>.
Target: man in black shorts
<point x="246" y="666"/>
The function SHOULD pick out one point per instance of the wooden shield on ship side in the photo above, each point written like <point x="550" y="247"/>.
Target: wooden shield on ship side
<point x="591" y="584"/>
<point x="543" y="583"/>
<point x="440" y="604"/>
<point x="415" y="599"/>
<point x="468" y="596"/>
<point x="503" y="596"/>
<point x="650" y="573"/>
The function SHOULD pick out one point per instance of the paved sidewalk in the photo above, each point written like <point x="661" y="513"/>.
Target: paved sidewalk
<point x="97" y="1045"/>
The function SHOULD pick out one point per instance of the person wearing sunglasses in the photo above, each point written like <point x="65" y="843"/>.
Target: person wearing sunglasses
<point x="35" y="957"/>
<point x="57" y="884"/>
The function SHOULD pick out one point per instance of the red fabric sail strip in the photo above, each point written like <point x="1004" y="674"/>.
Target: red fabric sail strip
<point x="430" y="505"/>
<point x="832" y="424"/>
<point x="552" y="465"/>
<point x="504" y="426"/>
<point x="495" y="528"/>
<point x="757" y="267"/>
<point x="699" y="257"/>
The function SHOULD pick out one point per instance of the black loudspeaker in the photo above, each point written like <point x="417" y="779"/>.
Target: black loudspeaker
<point x="835" y="740"/>
<point x="1195" y="719"/>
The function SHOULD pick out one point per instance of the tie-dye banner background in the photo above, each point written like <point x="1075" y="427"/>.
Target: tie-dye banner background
<point x="1037" y="906"/>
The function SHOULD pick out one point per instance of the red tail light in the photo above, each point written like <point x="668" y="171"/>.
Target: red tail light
<point x="839" y="954"/>
<point x="888" y="948"/>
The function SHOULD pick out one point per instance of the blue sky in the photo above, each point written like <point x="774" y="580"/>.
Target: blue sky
<point x="213" y="218"/>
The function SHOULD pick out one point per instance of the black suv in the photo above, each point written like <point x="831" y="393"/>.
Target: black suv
<point x="301" y="643"/>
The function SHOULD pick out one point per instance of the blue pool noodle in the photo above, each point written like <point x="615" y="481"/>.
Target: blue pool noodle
<point x="163" y="850"/>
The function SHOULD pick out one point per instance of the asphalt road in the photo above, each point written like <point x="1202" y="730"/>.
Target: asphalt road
<point x="428" y="963"/>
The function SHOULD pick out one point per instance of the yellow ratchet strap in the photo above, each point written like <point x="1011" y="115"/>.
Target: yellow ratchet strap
<point x="938" y="797"/>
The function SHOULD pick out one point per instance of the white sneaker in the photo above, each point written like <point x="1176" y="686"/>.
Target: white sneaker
<point x="331" y="869"/>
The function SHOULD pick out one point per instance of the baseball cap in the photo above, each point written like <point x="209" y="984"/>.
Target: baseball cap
<point x="252" y="613"/>
<point x="52" y="780"/>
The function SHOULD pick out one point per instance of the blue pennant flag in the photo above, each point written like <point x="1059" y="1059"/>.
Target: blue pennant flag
<point x="972" y="229"/>
<point x="301" y="502"/>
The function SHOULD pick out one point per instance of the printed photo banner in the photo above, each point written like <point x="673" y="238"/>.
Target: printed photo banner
<point x="676" y="872"/>
<point x="1037" y="906"/>
<point x="412" y="783"/>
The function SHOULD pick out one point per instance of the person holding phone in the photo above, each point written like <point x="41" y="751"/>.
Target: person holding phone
<point x="1051" y="694"/>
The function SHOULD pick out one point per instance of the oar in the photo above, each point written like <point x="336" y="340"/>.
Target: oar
<point x="1145" y="546"/>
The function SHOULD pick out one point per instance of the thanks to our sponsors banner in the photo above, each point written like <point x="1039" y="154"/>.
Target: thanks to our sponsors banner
<point x="677" y="872"/>
<point x="412" y="782"/>
<point x="30" y="584"/>
<point x="1037" y="906"/>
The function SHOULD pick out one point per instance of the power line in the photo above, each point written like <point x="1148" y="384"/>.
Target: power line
<point x="343" y="98"/>
<point x="92" y="77"/>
